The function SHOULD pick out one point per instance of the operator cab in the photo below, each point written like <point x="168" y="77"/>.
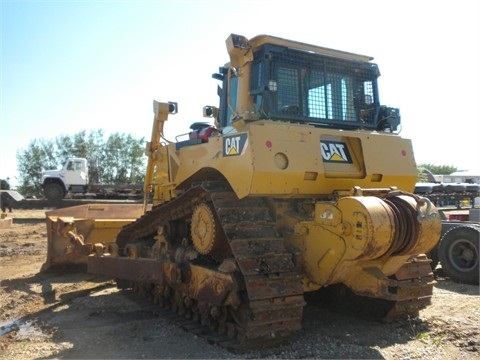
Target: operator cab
<point x="304" y="84"/>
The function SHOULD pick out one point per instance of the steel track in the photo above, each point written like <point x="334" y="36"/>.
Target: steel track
<point x="271" y="290"/>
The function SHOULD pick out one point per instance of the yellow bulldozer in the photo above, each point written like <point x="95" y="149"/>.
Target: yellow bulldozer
<point x="300" y="183"/>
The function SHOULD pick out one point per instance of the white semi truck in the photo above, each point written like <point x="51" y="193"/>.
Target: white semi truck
<point x="73" y="180"/>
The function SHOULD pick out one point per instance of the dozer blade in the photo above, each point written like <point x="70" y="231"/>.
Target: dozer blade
<point x="72" y="232"/>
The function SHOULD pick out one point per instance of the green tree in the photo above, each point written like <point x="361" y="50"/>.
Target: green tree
<point x="79" y="145"/>
<point x="434" y="169"/>
<point x="439" y="169"/>
<point x="4" y="185"/>
<point x="30" y="162"/>
<point x="122" y="161"/>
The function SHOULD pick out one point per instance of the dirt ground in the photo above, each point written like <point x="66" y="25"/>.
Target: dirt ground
<point x="73" y="315"/>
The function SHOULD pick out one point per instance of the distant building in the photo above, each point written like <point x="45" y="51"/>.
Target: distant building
<point x="459" y="177"/>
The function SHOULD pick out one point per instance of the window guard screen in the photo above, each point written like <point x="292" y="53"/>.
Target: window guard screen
<point x="301" y="86"/>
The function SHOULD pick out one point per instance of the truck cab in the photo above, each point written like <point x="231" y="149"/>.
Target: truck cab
<point x="72" y="177"/>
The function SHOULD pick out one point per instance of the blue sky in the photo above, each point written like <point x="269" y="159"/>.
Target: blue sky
<point x="67" y="66"/>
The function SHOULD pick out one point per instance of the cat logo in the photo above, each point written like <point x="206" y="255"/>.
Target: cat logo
<point x="334" y="151"/>
<point x="235" y="145"/>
